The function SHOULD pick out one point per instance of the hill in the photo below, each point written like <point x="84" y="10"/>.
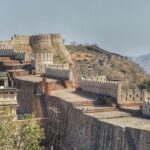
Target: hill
<point x="144" y="61"/>
<point x="91" y="61"/>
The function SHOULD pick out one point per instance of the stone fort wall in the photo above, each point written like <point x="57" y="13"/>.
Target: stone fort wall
<point x="39" y="43"/>
<point x="20" y="39"/>
<point x="110" y="88"/>
<point x="78" y="128"/>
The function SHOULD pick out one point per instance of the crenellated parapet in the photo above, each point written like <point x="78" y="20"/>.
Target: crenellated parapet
<point x="100" y="87"/>
<point x="60" y="71"/>
<point x="13" y="54"/>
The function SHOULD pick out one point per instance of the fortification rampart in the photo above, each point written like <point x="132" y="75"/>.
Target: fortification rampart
<point x="59" y="71"/>
<point x="100" y="86"/>
<point x="107" y="130"/>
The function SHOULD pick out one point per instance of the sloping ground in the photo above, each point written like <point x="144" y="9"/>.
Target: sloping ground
<point x="90" y="61"/>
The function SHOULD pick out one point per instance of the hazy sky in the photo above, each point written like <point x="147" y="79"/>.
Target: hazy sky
<point x="121" y="26"/>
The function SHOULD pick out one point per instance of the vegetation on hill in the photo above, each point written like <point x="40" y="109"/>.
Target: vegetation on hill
<point x="89" y="61"/>
<point x="145" y="85"/>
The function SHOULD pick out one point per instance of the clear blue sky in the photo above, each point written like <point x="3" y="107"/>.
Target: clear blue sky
<point x="121" y="26"/>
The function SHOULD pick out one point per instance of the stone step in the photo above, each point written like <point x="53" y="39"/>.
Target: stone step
<point x="97" y="109"/>
<point x="85" y="103"/>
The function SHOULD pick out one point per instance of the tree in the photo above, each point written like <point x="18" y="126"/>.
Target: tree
<point x="145" y="85"/>
<point x="23" y="135"/>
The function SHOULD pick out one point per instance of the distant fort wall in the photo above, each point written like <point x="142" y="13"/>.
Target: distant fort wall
<point x="51" y="43"/>
<point x="20" y="39"/>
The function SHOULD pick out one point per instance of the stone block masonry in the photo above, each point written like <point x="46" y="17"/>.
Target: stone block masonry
<point x="74" y="129"/>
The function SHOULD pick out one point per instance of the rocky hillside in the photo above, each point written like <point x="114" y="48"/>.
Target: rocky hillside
<point x="92" y="60"/>
<point x="143" y="61"/>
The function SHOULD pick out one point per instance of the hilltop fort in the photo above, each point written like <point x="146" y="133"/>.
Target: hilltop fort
<point x="86" y="97"/>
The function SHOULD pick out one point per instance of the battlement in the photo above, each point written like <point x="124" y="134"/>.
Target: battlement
<point x="13" y="54"/>
<point x="60" y="72"/>
<point x="100" y="86"/>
